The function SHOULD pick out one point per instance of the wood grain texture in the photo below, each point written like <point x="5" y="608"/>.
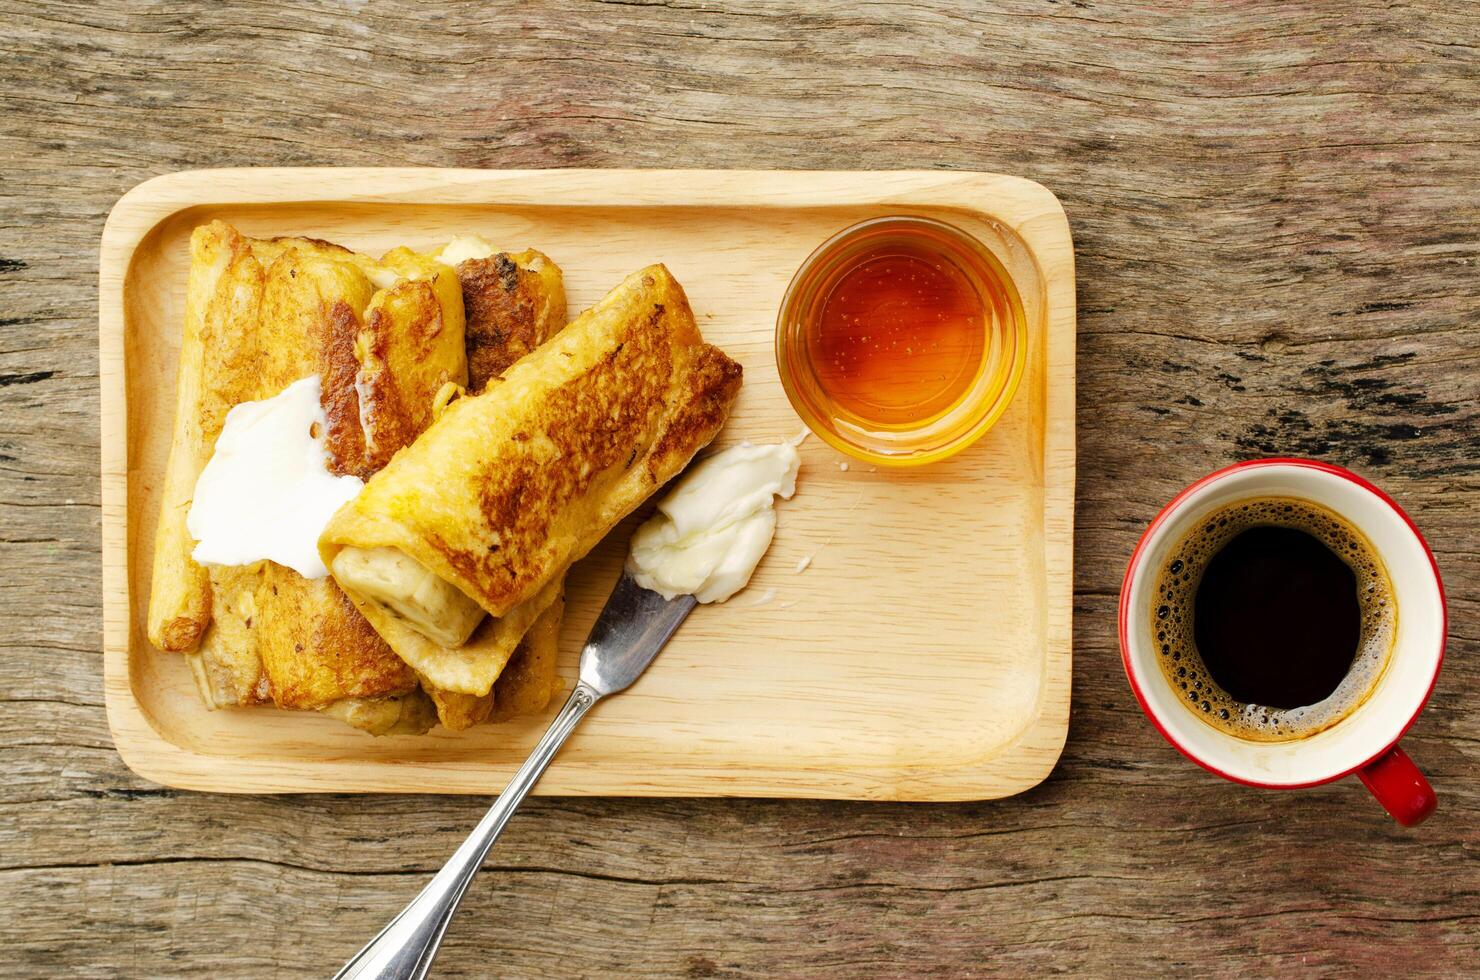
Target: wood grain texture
<point x="1274" y="208"/>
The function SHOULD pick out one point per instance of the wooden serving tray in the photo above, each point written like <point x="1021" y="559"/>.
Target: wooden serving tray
<point x="923" y="655"/>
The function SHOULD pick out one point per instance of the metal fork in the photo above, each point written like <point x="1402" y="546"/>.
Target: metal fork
<point x="632" y="628"/>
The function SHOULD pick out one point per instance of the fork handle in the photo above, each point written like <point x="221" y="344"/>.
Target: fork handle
<point x="405" y="948"/>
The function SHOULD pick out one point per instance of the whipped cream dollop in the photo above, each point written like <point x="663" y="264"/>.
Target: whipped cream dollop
<point x="267" y="492"/>
<point x="710" y="531"/>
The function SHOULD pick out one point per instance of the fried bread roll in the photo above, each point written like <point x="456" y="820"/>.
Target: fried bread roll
<point x="383" y="338"/>
<point x="513" y="302"/>
<point x="227" y="665"/>
<point x="223" y="300"/>
<point x="509" y="487"/>
<point x="528" y="681"/>
<point x="525" y="685"/>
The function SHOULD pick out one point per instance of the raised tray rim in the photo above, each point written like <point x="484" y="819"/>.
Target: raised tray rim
<point x="1026" y="207"/>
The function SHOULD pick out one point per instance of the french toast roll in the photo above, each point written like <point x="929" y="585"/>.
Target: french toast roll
<point x="524" y="686"/>
<point x="529" y="680"/>
<point x="512" y="301"/>
<point x="383" y="337"/>
<point x="510" y="486"/>
<point x="223" y="297"/>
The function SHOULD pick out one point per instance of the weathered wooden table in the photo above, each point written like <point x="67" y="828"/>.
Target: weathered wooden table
<point x="1276" y="209"/>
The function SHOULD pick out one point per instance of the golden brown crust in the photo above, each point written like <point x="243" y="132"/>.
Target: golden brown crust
<point x="179" y="634"/>
<point x="514" y="301"/>
<point x="594" y="422"/>
<point x="381" y="355"/>
<point x="712" y="387"/>
<point x="338" y="368"/>
<point x="400" y="411"/>
<point x="411" y="344"/>
<point x="317" y="649"/>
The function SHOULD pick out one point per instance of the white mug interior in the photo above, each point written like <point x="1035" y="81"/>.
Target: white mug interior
<point x="1400" y="692"/>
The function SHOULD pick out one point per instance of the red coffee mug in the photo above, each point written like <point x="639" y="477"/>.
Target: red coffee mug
<point x="1365" y="742"/>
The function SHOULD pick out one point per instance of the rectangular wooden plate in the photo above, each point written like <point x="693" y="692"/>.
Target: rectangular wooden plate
<point x="922" y="655"/>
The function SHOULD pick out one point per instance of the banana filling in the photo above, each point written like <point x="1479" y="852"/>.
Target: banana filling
<point x="428" y="604"/>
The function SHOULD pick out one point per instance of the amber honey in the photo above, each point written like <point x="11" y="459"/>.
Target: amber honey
<point x="901" y="340"/>
<point x="900" y="336"/>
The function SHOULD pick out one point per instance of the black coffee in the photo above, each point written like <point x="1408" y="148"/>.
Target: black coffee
<point x="1274" y="617"/>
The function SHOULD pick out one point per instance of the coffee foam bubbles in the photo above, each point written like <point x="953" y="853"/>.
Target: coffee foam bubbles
<point x="1172" y="619"/>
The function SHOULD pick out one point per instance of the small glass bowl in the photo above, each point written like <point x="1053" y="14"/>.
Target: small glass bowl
<point x="946" y="432"/>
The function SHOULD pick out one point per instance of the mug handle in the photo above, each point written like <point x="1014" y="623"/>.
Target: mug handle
<point x="1399" y="787"/>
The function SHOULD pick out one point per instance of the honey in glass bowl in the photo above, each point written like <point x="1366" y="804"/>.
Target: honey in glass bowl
<point x="901" y="340"/>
